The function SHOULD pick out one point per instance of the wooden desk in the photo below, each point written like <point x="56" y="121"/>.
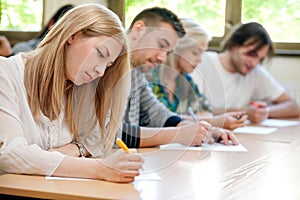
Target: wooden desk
<point x="284" y="134"/>
<point x="269" y="170"/>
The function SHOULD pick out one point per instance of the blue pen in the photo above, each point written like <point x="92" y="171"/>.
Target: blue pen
<point x="191" y="112"/>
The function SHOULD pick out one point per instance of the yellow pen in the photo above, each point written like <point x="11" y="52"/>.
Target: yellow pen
<point x="122" y="145"/>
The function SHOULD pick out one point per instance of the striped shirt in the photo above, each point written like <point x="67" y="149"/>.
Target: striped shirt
<point x="144" y="110"/>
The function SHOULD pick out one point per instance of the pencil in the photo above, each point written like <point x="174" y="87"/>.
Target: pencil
<point x="122" y="145"/>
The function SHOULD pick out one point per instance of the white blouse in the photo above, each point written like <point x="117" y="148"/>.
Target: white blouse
<point x="27" y="140"/>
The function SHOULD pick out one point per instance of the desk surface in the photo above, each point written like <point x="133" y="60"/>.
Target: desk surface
<point x="269" y="170"/>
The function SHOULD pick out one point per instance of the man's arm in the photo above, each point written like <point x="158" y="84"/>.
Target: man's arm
<point x="187" y="134"/>
<point x="284" y="106"/>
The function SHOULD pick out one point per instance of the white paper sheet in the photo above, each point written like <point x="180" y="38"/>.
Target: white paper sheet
<point x="141" y="177"/>
<point x="148" y="177"/>
<point x="279" y="123"/>
<point x="205" y="147"/>
<point x="255" y="130"/>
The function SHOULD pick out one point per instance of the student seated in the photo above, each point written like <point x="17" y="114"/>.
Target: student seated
<point x="175" y="88"/>
<point x="235" y="77"/>
<point x="152" y="35"/>
<point x="62" y="103"/>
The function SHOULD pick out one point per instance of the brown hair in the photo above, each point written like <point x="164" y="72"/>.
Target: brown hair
<point x="248" y="34"/>
<point x="152" y="17"/>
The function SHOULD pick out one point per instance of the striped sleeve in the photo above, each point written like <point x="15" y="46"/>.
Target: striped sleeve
<point x="131" y="135"/>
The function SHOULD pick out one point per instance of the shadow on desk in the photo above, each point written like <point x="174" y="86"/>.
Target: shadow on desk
<point x="11" y="197"/>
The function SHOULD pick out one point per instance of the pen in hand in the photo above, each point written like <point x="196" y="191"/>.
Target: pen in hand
<point x="122" y="145"/>
<point x="256" y="104"/>
<point x="191" y="112"/>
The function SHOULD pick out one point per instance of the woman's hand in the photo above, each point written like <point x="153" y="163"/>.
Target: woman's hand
<point x="121" y="166"/>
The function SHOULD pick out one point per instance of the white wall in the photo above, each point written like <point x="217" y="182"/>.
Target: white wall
<point x="286" y="69"/>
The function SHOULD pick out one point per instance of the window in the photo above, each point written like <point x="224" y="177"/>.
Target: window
<point x="281" y="18"/>
<point x="25" y="15"/>
<point x="207" y="12"/>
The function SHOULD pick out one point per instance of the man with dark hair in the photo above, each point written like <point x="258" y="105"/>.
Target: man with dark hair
<point x="234" y="79"/>
<point x="152" y="35"/>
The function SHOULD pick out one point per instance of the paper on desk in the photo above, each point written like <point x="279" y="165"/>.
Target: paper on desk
<point x="254" y="130"/>
<point x="141" y="177"/>
<point x="148" y="177"/>
<point x="205" y="147"/>
<point x="279" y="123"/>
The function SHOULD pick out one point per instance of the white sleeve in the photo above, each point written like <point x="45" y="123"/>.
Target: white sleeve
<point x="268" y="88"/>
<point x="23" y="152"/>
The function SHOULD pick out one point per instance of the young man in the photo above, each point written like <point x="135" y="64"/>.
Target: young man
<point x="234" y="79"/>
<point x="152" y="35"/>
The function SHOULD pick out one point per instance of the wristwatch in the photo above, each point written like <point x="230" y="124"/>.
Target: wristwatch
<point x="81" y="149"/>
<point x="3" y="145"/>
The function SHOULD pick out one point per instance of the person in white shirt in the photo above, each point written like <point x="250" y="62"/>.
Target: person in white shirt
<point x="235" y="80"/>
<point x="61" y="104"/>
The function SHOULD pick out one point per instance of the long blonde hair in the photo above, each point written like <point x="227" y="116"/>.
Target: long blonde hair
<point x="45" y="80"/>
<point x="194" y="34"/>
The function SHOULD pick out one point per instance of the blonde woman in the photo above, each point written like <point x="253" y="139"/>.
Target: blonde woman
<point x="61" y="104"/>
<point x="175" y="88"/>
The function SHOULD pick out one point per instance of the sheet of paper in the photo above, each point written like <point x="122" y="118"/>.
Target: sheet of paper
<point x="148" y="177"/>
<point x="141" y="177"/>
<point x="205" y="147"/>
<point x="279" y="123"/>
<point x="255" y="130"/>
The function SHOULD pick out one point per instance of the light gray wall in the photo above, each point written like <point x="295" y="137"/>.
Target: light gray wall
<point x="286" y="69"/>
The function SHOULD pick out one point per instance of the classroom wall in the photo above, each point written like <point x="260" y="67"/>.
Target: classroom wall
<point x="286" y="69"/>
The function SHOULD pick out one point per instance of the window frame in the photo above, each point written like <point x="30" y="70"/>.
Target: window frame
<point x="232" y="16"/>
<point x="19" y="36"/>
